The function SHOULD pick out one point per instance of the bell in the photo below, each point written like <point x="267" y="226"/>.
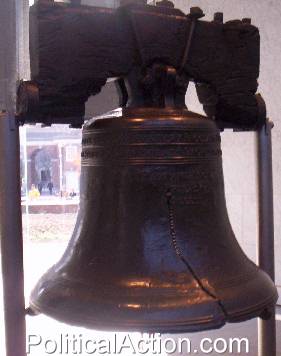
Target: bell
<point x="153" y="249"/>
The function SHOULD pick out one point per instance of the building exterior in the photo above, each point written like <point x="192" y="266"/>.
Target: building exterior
<point x="50" y="157"/>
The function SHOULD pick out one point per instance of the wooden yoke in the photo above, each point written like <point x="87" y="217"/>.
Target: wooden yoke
<point x="75" y="49"/>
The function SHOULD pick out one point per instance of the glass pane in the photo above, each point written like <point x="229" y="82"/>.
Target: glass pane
<point x="50" y="172"/>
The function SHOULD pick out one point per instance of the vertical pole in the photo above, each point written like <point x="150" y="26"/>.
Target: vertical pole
<point x="61" y="174"/>
<point x="267" y="328"/>
<point x="23" y="140"/>
<point x="11" y="237"/>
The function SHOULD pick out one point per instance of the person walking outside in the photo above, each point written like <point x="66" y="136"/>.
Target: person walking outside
<point x="50" y="187"/>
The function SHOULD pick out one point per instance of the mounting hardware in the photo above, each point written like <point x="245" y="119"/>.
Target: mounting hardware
<point x="218" y="17"/>
<point x="165" y="3"/>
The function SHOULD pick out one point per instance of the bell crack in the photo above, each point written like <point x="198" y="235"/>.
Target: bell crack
<point x="177" y="249"/>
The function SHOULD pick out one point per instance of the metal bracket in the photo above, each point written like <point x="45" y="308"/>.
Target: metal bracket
<point x="11" y="236"/>
<point x="267" y="328"/>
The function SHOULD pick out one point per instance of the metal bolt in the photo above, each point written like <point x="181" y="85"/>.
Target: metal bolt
<point x="247" y="20"/>
<point x="218" y="17"/>
<point x="165" y="3"/>
<point x="196" y="12"/>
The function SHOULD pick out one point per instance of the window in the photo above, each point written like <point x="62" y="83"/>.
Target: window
<point x="71" y="153"/>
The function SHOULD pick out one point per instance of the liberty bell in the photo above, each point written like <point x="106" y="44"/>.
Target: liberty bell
<point x="153" y="249"/>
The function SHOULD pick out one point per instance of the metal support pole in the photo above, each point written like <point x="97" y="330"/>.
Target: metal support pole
<point x="267" y="328"/>
<point x="11" y="237"/>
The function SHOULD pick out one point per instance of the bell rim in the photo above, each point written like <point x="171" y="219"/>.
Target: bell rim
<point x="192" y="325"/>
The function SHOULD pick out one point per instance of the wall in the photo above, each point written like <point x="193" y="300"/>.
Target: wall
<point x="239" y="149"/>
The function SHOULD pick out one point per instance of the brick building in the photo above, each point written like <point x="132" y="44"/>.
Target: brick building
<point x="51" y="154"/>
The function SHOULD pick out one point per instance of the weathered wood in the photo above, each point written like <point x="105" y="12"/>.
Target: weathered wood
<point x="74" y="49"/>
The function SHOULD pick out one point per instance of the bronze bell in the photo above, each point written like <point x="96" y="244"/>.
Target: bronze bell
<point x="153" y="249"/>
